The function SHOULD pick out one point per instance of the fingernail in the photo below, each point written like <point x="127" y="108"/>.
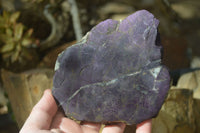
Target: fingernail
<point x="56" y="131"/>
<point x="46" y="91"/>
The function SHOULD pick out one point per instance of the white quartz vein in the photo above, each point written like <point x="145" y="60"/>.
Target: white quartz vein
<point x="113" y="81"/>
<point x="155" y="71"/>
<point x="102" y="84"/>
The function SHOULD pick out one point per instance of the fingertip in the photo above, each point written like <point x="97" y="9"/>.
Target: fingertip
<point x="144" y="127"/>
<point x="90" y="126"/>
<point x="56" y="131"/>
<point x="115" y="128"/>
<point x="47" y="92"/>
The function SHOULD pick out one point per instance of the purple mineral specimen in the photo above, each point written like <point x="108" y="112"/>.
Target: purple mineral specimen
<point x="114" y="73"/>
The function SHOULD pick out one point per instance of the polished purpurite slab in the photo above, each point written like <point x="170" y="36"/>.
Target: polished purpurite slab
<point x="114" y="73"/>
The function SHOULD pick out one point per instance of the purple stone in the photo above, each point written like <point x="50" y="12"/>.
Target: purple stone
<point x="114" y="73"/>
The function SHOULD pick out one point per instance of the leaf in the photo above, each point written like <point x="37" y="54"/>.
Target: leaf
<point x="7" y="48"/>
<point x="4" y="38"/>
<point x="14" y="17"/>
<point x="15" y="56"/>
<point x="9" y="32"/>
<point x="26" y="42"/>
<point x="38" y="1"/>
<point x="29" y="33"/>
<point x="25" y="0"/>
<point x="18" y="31"/>
<point x="18" y="47"/>
<point x="6" y="56"/>
<point x="6" y="16"/>
<point x="2" y="22"/>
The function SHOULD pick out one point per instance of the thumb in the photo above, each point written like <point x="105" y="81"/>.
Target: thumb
<point x="42" y="113"/>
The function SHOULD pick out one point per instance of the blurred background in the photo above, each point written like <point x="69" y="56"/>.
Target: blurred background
<point x="34" y="32"/>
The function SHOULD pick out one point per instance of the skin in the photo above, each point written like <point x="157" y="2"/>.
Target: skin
<point x="47" y="118"/>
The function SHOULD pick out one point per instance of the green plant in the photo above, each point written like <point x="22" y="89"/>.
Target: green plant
<point x="33" y="1"/>
<point x="14" y="38"/>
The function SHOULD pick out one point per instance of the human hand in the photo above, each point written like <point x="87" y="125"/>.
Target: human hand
<point x="47" y="118"/>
